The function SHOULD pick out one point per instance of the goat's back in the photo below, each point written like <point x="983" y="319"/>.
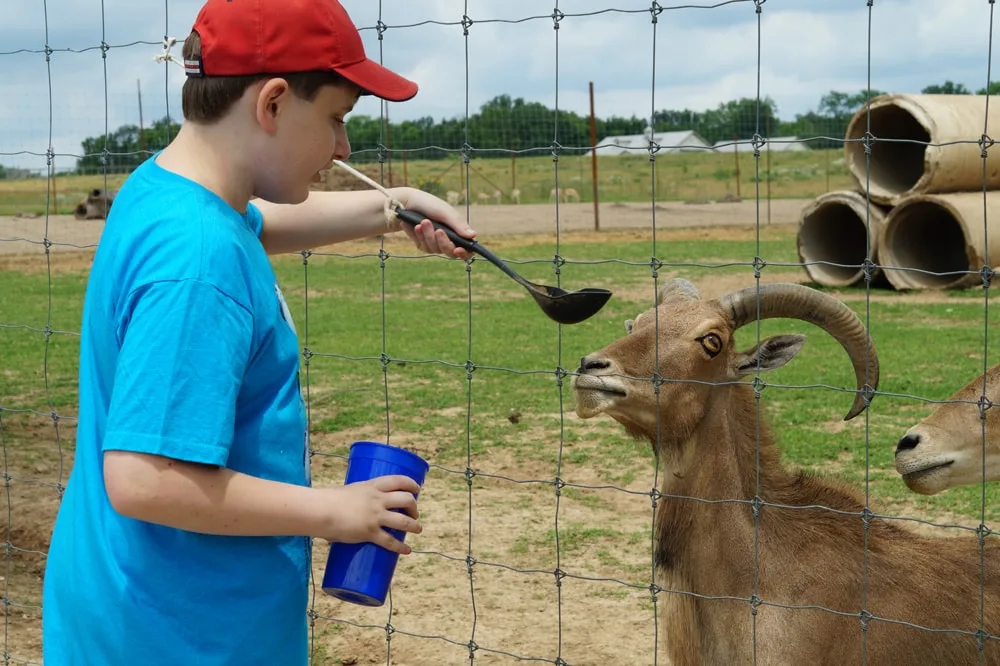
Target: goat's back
<point x="911" y="601"/>
<point x="926" y="600"/>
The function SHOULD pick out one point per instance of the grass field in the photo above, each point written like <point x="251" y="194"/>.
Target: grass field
<point x="679" y="177"/>
<point x="406" y="336"/>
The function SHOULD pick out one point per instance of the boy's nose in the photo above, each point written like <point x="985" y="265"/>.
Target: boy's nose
<point x="342" y="148"/>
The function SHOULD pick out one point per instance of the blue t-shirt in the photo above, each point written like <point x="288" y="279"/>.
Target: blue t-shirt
<point x="187" y="350"/>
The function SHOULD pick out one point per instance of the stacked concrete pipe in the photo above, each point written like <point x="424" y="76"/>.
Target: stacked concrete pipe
<point x="941" y="241"/>
<point x="838" y="231"/>
<point x="926" y="168"/>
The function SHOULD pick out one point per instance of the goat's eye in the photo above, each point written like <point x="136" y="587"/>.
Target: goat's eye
<point x="712" y="343"/>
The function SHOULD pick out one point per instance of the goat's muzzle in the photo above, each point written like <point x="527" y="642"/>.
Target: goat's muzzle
<point x="923" y="471"/>
<point x="596" y="386"/>
<point x="591" y="363"/>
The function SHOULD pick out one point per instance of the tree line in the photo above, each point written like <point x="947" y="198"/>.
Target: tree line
<point x="505" y="123"/>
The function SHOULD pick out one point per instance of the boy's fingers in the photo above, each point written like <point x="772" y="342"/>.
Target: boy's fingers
<point x="405" y="502"/>
<point x="390" y="542"/>
<point x="400" y="521"/>
<point x="396" y="482"/>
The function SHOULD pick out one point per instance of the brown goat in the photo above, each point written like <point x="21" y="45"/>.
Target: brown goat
<point x="946" y="449"/>
<point x="808" y="593"/>
<point x="95" y="206"/>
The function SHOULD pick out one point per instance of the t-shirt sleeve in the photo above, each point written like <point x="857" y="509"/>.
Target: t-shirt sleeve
<point x="184" y="348"/>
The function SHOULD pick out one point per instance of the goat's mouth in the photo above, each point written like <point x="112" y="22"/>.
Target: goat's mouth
<point x="595" y="393"/>
<point x="926" y="479"/>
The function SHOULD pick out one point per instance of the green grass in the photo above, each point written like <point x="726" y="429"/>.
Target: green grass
<point x="56" y="196"/>
<point x="454" y="373"/>
<point x="678" y="177"/>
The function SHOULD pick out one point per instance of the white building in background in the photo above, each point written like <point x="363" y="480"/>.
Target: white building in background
<point x="684" y="141"/>
<point x="776" y="144"/>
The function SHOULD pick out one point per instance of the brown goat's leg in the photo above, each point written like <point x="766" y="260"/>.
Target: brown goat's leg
<point x="681" y="635"/>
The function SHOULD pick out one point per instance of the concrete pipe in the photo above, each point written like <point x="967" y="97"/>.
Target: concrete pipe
<point x="839" y="230"/>
<point x="907" y="165"/>
<point x="937" y="241"/>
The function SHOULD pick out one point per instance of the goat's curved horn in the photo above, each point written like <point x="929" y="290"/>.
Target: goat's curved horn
<point x="796" y="301"/>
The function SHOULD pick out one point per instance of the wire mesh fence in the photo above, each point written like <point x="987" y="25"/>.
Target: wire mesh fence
<point x="549" y="539"/>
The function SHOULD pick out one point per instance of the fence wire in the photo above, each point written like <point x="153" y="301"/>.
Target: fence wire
<point x="471" y="560"/>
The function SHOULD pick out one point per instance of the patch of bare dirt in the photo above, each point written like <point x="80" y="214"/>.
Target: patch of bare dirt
<point x="941" y="524"/>
<point x="37" y="464"/>
<point x="930" y="296"/>
<point x="24" y="235"/>
<point x="511" y="594"/>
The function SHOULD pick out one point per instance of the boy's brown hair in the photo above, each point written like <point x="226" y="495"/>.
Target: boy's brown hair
<point x="207" y="99"/>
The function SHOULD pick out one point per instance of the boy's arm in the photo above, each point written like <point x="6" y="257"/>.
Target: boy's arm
<point x="326" y="218"/>
<point x="217" y="500"/>
<point x="183" y="355"/>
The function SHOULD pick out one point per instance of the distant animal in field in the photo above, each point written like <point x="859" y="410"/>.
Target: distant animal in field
<point x="95" y="206"/>
<point x="564" y="194"/>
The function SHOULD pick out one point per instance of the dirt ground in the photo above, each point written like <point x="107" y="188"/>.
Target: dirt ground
<point x="510" y="605"/>
<point x="27" y="234"/>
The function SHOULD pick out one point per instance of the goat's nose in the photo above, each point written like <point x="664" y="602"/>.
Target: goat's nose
<point x="587" y="363"/>
<point x="907" y="442"/>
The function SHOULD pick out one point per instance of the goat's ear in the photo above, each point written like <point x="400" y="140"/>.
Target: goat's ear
<point x="771" y="353"/>
<point x="629" y="323"/>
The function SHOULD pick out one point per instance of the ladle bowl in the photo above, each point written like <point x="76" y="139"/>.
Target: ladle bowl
<point x="565" y="307"/>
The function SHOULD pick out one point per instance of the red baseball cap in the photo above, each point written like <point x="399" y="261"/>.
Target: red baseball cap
<point x="245" y="37"/>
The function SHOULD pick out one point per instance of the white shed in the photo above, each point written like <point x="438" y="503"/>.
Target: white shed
<point x="776" y="144"/>
<point x="684" y="141"/>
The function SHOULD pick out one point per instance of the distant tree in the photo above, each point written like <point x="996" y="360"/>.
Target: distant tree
<point x="947" y="88"/>
<point x="994" y="89"/>
<point x="15" y="173"/>
<point x="739" y="119"/>
<point x="840" y="106"/>
<point x="126" y="147"/>
<point x="507" y="123"/>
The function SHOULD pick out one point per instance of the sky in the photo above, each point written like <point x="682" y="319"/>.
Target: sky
<point x="695" y="56"/>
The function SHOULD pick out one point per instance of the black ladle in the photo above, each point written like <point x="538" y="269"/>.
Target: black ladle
<point x="565" y="307"/>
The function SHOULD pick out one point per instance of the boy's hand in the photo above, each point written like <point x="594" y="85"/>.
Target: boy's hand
<point x="357" y="512"/>
<point x="424" y="236"/>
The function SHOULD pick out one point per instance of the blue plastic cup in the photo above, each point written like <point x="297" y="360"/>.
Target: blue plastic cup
<point x="362" y="572"/>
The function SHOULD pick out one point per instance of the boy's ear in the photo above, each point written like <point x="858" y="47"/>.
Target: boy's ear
<point x="771" y="353"/>
<point x="270" y="97"/>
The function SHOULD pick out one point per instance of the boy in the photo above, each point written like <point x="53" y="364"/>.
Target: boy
<point x="184" y="535"/>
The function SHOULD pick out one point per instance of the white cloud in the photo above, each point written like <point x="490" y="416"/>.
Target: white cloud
<point x="703" y="57"/>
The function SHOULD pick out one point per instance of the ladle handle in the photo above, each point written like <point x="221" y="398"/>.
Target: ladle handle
<point x="416" y="218"/>
<point x="470" y="245"/>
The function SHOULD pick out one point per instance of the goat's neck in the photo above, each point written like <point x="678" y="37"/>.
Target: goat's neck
<point x="721" y="458"/>
<point x="719" y="461"/>
<point x="705" y="547"/>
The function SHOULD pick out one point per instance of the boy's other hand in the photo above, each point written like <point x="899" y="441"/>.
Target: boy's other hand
<point x="424" y="236"/>
<point x="357" y="512"/>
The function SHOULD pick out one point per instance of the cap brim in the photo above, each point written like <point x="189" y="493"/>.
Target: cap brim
<point x="377" y="80"/>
